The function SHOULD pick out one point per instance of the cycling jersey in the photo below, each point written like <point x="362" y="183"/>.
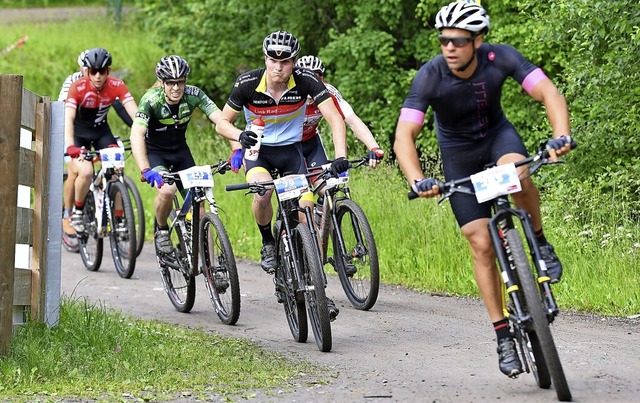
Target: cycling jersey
<point x="92" y="105"/>
<point x="167" y="124"/>
<point x="283" y="119"/>
<point x="467" y="110"/>
<point x="313" y="116"/>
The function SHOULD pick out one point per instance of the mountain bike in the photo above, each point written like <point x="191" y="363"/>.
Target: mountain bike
<point x="299" y="278"/>
<point x="71" y="243"/>
<point x="355" y="256"/>
<point x="188" y="223"/>
<point x="136" y="200"/>
<point x="108" y="212"/>
<point x="531" y="307"/>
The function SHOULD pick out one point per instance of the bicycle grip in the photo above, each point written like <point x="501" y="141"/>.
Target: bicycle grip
<point x="237" y="186"/>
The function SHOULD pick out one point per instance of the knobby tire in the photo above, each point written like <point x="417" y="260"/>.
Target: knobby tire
<point x="179" y="284"/>
<point x="534" y="304"/>
<point x="122" y="233"/>
<point x="219" y="269"/>
<point x="91" y="243"/>
<point x="293" y="302"/>
<point x="315" y="295"/>
<point x="138" y="211"/>
<point x="362" y="287"/>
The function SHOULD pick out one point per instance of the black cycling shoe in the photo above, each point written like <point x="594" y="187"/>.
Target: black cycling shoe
<point x="508" y="359"/>
<point x="333" y="309"/>
<point x="554" y="267"/>
<point x="350" y="269"/>
<point x="268" y="257"/>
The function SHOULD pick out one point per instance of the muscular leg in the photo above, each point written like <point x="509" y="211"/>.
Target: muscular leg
<point x="484" y="267"/>
<point x="83" y="180"/>
<point x="68" y="189"/>
<point x="163" y="203"/>
<point x="261" y="206"/>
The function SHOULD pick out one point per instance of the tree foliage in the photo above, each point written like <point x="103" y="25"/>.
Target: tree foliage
<point x="372" y="50"/>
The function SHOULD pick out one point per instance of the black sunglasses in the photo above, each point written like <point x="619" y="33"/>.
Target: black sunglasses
<point x="93" y="71"/>
<point x="172" y="83"/>
<point x="458" y="42"/>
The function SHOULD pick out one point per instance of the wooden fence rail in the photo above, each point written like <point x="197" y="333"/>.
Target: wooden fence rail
<point x="31" y="197"/>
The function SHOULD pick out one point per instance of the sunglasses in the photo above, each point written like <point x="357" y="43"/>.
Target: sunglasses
<point x="173" y="83"/>
<point x="458" y="42"/>
<point x="93" y="71"/>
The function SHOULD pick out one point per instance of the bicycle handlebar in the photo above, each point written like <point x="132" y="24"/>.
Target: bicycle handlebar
<point x="446" y="189"/>
<point x="169" y="178"/>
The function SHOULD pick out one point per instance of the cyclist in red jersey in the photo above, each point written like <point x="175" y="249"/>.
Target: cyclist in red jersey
<point x="86" y="109"/>
<point x="463" y="87"/>
<point x="312" y="147"/>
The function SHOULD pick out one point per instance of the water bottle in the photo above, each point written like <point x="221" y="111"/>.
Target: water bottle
<point x="257" y="126"/>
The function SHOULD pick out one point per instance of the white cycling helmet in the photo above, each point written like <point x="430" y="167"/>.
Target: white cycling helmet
<point x="463" y="15"/>
<point x="312" y="63"/>
<point x="81" y="57"/>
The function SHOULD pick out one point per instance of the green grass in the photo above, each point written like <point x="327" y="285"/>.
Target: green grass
<point x="97" y="353"/>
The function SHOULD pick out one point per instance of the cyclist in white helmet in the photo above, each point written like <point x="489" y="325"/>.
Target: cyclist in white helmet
<point x="463" y="87"/>
<point x="312" y="147"/>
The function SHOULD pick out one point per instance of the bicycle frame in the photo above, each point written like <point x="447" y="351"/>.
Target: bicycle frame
<point x="100" y="187"/>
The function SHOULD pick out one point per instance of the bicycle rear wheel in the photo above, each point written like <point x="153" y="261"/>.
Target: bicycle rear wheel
<point x="122" y="234"/>
<point x="138" y="211"/>
<point x="179" y="283"/>
<point x="91" y="242"/>
<point x="293" y="301"/>
<point x="540" y="333"/>
<point x="219" y="269"/>
<point x="315" y="295"/>
<point x="357" y="260"/>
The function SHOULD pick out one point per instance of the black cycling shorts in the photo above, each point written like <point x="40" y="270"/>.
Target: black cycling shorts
<point x="314" y="152"/>
<point x="286" y="159"/>
<point x="171" y="162"/>
<point x="463" y="161"/>
<point x="98" y="137"/>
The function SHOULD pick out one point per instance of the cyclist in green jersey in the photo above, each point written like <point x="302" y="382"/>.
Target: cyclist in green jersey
<point x="158" y="134"/>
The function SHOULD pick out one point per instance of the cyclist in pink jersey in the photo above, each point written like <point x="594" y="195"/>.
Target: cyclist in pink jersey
<point x="463" y="87"/>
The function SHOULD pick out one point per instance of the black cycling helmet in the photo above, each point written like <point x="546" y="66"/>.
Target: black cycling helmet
<point x="312" y="63"/>
<point x="97" y="58"/>
<point x="280" y="45"/>
<point x="172" y="67"/>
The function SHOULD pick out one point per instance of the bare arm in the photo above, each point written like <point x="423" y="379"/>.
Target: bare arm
<point x="69" y="118"/>
<point x="138" y="147"/>
<point x="557" y="112"/>
<point x="361" y="131"/>
<point x="225" y="127"/>
<point x="338" y="129"/>
<point x="406" y="152"/>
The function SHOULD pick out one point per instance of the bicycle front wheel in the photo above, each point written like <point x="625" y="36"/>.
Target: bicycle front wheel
<point x="356" y="259"/>
<point x="177" y="278"/>
<point x="219" y="269"/>
<point x="315" y="295"/>
<point x="540" y="333"/>
<point x="91" y="242"/>
<point x="138" y="211"/>
<point x="122" y="233"/>
<point x="286" y="291"/>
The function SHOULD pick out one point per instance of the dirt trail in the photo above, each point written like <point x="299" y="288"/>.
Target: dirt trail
<point x="410" y="347"/>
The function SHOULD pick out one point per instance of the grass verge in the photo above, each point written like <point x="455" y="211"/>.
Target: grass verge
<point x="96" y="353"/>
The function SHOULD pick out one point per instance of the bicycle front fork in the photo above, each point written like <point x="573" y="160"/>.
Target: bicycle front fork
<point x="499" y="224"/>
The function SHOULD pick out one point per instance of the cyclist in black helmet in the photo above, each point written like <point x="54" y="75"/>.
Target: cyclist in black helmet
<point x="86" y="108"/>
<point x="278" y="92"/>
<point x="463" y="87"/>
<point x="158" y="134"/>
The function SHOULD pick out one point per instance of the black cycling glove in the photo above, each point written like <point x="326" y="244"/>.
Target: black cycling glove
<point x="339" y="165"/>
<point x="248" y="139"/>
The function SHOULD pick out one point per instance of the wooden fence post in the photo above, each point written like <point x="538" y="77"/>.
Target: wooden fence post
<point x="10" y="101"/>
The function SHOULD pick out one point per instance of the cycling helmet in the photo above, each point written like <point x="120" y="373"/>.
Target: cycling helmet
<point x="97" y="58"/>
<point x="81" y="57"/>
<point x="280" y="45"/>
<point x="312" y="63"/>
<point x="172" y="67"/>
<point x="462" y="15"/>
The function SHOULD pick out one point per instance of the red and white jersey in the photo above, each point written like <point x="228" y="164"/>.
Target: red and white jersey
<point x="313" y="116"/>
<point x="92" y="105"/>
